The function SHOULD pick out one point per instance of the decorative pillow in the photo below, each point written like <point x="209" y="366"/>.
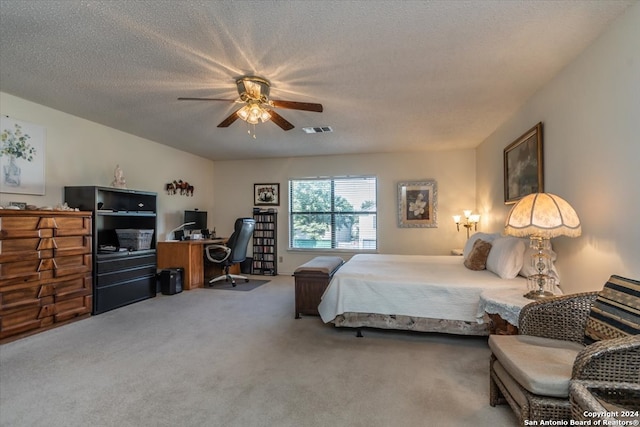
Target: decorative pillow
<point x="528" y="269"/>
<point x="477" y="259"/>
<point x="506" y="257"/>
<point x="468" y="247"/>
<point x="615" y="312"/>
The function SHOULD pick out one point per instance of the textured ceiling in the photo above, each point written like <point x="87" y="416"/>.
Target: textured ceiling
<point x="392" y="75"/>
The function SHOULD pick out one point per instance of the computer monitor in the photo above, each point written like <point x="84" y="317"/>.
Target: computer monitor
<point x="198" y="217"/>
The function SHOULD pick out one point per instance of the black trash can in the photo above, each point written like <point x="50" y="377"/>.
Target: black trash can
<point x="245" y="266"/>
<point x="171" y="281"/>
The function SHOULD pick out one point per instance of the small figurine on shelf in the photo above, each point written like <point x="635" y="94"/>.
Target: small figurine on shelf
<point x="118" y="178"/>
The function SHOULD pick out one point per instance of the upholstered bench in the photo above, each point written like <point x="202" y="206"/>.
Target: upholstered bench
<point x="312" y="278"/>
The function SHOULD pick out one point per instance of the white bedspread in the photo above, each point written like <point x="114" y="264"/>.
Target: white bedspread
<point x="438" y="287"/>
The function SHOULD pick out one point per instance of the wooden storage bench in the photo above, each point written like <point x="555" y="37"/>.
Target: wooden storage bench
<point x="312" y="278"/>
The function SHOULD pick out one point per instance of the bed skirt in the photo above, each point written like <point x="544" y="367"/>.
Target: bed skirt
<point x="408" y="323"/>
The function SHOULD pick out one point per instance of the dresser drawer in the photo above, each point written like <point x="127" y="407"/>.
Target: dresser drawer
<point x="72" y="307"/>
<point x="26" y="224"/>
<point x="20" y="321"/>
<point x="73" y="264"/>
<point x="27" y="270"/>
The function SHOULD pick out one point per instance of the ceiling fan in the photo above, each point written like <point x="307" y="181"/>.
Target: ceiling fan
<point x="254" y="94"/>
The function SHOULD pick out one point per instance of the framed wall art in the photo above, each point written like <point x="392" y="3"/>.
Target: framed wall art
<point x="417" y="204"/>
<point x="266" y="194"/>
<point x="523" y="166"/>
<point x="21" y="157"/>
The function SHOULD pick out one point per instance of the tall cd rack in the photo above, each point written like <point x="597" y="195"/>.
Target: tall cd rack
<point x="265" y="256"/>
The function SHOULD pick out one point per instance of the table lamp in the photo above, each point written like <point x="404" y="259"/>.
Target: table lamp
<point x="541" y="217"/>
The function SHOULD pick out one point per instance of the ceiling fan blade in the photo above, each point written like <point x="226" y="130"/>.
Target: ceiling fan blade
<point x="292" y="105"/>
<point x="206" y="99"/>
<point x="229" y="120"/>
<point x="280" y="121"/>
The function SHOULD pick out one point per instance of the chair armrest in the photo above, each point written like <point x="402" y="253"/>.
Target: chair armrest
<point x="210" y="248"/>
<point x="563" y="317"/>
<point x="614" y="360"/>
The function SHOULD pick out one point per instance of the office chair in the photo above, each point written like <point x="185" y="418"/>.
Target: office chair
<point x="235" y="251"/>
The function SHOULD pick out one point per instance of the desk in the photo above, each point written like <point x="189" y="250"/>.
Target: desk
<point x="188" y="255"/>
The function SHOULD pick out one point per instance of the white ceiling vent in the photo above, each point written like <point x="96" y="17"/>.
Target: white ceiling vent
<point x="322" y="129"/>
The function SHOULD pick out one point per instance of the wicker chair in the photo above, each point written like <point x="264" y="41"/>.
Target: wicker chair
<point x="616" y="403"/>
<point x="564" y="319"/>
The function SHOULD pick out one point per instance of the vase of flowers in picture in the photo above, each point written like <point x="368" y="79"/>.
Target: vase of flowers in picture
<point x="15" y="145"/>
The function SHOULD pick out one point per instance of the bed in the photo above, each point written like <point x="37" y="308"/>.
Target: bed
<point x="420" y="292"/>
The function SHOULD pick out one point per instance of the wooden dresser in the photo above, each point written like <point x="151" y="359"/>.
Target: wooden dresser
<point x="45" y="270"/>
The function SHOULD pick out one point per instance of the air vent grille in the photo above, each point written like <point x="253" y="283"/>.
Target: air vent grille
<point x="319" y="129"/>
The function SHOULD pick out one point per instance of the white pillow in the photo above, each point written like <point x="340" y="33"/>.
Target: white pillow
<point x="506" y="257"/>
<point x="468" y="247"/>
<point x="527" y="265"/>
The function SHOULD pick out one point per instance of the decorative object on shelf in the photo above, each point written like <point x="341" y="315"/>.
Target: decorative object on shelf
<point x="523" y="166"/>
<point x="19" y="205"/>
<point x="472" y="220"/>
<point x="266" y="194"/>
<point x="541" y="217"/>
<point x="21" y="157"/>
<point x="417" y="204"/>
<point x="179" y="187"/>
<point x="118" y="178"/>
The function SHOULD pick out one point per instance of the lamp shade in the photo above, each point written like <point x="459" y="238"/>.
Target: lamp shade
<point x="543" y="215"/>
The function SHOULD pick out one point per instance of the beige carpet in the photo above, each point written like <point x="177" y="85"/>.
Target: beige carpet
<point x="213" y="358"/>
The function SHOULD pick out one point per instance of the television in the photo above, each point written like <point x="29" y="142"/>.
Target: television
<point x="197" y="217"/>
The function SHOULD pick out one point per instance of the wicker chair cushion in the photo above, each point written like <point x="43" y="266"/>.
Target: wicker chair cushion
<point x="541" y="365"/>
<point x="507" y="380"/>
<point x="477" y="259"/>
<point x="616" y="311"/>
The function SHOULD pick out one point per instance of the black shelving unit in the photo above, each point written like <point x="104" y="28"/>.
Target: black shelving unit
<point x="265" y="254"/>
<point x="120" y="277"/>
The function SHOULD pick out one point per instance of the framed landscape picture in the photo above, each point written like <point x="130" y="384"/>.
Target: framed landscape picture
<point x="523" y="168"/>
<point x="417" y="204"/>
<point x="266" y="194"/>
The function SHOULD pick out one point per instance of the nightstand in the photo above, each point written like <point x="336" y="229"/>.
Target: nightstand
<point x="502" y="307"/>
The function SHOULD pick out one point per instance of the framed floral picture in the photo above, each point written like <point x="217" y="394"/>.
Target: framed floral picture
<point x="266" y="194"/>
<point x="523" y="168"/>
<point x="417" y="204"/>
<point x="21" y="157"/>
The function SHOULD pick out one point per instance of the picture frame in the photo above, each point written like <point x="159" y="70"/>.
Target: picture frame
<point x="22" y="157"/>
<point x="523" y="166"/>
<point x="266" y="194"/>
<point x="418" y="204"/>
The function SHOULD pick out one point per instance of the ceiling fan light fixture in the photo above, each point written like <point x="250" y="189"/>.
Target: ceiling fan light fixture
<point x="253" y="113"/>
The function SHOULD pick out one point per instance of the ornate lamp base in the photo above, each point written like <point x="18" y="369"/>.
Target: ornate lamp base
<point x="538" y="294"/>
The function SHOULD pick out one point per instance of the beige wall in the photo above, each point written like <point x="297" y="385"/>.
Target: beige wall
<point x="454" y="172"/>
<point x="590" y="112"/>
<point x="80" y="152"/>
<point x="591" y="117"/>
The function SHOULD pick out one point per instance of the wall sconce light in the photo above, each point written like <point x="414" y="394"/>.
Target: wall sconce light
<point x="471" y="220"/>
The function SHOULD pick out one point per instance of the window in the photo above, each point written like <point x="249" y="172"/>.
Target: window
<point x="333" y="213"/>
